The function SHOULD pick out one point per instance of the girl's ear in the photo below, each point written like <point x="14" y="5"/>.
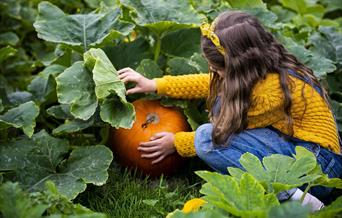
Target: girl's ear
<point x="221" y="73"/>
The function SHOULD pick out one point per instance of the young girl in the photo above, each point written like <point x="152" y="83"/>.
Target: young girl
<point x="261" y="100"/>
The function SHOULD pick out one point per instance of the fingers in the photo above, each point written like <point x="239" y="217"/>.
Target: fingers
<point x="151" y="155"/>
<point x="150" y="143"/>
<point x="152" y="150"/>
<point x="158" y="159"/>
<point x="149" y="149"/>
<point x="133" y="90"/>
<point x="129" y="77"/>
<point x="123" y="70"/>
<point x="158" y="135"/>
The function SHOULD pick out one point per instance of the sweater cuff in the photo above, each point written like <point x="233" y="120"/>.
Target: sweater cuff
<point x="161" y="85"/>
<point x="185" y="144"/>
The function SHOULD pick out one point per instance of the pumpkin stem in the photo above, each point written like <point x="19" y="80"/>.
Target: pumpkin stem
<point x="151" y="118"/>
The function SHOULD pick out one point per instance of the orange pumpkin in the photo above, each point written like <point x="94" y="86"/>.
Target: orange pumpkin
<point x="151" y="118"/>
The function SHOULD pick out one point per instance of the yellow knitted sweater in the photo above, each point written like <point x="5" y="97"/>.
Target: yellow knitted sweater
<point x="314" y="123"/>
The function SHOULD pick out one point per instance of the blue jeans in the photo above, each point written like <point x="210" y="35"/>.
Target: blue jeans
<point x="262" y="142"/>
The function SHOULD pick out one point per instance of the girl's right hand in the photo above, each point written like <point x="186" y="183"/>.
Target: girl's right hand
<point x="142" y="84"/>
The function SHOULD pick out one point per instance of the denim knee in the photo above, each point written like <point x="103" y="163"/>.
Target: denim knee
<point x="203" y="139"/>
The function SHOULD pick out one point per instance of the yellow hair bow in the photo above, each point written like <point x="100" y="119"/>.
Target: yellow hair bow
<point x="207" y="30"/>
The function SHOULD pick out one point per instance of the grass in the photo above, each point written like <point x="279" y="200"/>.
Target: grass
<point x="129" y="194"/>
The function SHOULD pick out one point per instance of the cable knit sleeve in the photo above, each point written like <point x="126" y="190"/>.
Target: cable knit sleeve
<point x="185" y="87"/>
<point x="185" y="144"/>
<point x="267" y="103"/>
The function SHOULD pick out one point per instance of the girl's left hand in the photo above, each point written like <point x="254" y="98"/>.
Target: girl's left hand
<point x="160" y="146"/>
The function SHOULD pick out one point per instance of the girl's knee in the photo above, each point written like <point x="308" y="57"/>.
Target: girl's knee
<point x="203" y="139"/>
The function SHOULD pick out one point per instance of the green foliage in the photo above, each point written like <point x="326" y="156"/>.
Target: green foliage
<point x="289" y="209"/>
<point x="116" y="111"/>
<point x="150" y="69"/>
<point x="8" y="38"/>
<point x="58" y="76"/>
<point x="195" y="64"/>
<point x="319" y="64"/>
<point x="244" y="197"/>
<point x="181" y="43"/>
<point x="332" y="210"/>
<point x="6" y="52"/>
<point x="34" y="161"/>
<point x="161" y="16"/>
<point x="129" y="54"/>
<point x="43" y="86"/>
<point x="14" y="202"/>
<point x="23" y="116"/>
<point x="247" y="4"/>
<point x="252" y="193"/>
<point x="278" y="172"/>
<point x="87" y="30"/>
<point x="76" y="87"/>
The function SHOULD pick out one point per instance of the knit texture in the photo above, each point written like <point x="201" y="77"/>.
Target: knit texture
<point x="186" y="87"/>
<point x="314" y="123"/>
<point x="184" y="143"/>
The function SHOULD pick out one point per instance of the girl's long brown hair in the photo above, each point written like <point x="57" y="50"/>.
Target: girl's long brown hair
<point x="251" y="53"/>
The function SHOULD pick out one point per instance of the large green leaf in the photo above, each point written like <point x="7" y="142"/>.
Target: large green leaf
<point x="61" y="111"/>
<point x="332" y="4"/>
<point x="278" y="172"/>
<point x="289" y="209"/>
<point x="266" y="17"/>
<point x="241" y="4"/>
<point x="324" y="180"/>
<point x="284" y="15"/>
<point x="43" y="86"/>
<point x="319" y="64"/>
<point x="162" y="16"/>
<point x="245" y="197"/>
<point x="24" y="117"/>
<point x="304" y="7"/>
<point x="116" y="111"/>
<point x="337" y="108"/>
<point x="180" y="65"/>
<point x="73" y="125"/>
<point x="48" y="53"/>
<point x="129" y="54"/>
<point x="335" y="39"/>
<point x="149" y="69"/>
<point x="182" y="43"/>
<point x="19" y="97"/>
<point x="36" y="161"/>
<point x="75" y="86"/>
<point x="322" y="46"/>
<point x="86" y="30"/>
<point x="8" y="38"/>
<point x="105" y="75"/>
